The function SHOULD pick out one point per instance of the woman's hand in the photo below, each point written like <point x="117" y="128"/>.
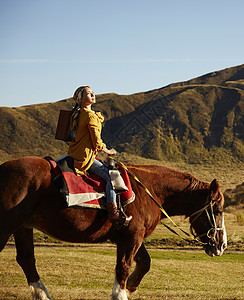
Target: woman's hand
<point x="110" y="151"/>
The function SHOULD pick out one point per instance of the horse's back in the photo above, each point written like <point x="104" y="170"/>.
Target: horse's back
<point x="24" y="163"/>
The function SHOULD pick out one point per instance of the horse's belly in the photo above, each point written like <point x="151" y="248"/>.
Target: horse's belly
<point x="73" y="224"/>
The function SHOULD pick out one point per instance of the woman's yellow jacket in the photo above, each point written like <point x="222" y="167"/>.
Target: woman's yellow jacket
<point x="87" y="142"/>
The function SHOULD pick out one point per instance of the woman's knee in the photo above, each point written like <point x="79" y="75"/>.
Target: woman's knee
<point x="99" y="169"/>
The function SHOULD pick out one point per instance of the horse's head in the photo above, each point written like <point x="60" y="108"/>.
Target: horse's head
<point x="208" y="222"/>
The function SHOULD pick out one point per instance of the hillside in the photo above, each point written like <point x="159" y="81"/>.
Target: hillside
<point x="196" y="121"/>
<point x="235" y="197"/>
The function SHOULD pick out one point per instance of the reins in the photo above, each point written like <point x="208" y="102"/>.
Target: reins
<point x="190" y="237"/>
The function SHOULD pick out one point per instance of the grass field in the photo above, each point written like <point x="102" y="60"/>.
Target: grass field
<point x="87" y="272"/>
<point x="178" y="270"/>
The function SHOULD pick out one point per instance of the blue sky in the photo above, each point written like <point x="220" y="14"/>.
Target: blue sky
<point x="50" y="47"/>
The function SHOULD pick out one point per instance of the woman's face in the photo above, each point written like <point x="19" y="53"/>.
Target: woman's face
<point x="88" y="97"/>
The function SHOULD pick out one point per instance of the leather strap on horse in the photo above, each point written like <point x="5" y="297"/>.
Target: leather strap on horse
<point x="190" y="237"/>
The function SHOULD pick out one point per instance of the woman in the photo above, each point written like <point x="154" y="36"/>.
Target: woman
<point x="88" y="143"/>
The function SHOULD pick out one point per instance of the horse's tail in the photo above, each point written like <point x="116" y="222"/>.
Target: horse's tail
<point x="20" y="181"/>
<point x="1" y="189"/>
<point x="8" y="184"/>
<point x="4" y="230"/>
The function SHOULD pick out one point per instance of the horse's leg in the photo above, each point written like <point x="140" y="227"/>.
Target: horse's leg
<point x="143" y="262"/>
<point x="5" y="230"/>
<point x="26" y="259"/>
<point x="3" y="238"/>
<point x="125" y="254"/>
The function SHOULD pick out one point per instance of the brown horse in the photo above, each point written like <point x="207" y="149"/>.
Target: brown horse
<point x="30" y="199"/>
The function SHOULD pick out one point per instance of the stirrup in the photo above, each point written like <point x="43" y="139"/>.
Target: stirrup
<point x="123" y="220"/>
<point x="117" y="216"/>
<point x="127" y="220"/>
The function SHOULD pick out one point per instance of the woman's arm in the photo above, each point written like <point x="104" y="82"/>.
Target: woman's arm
<point x="95" y="133"/>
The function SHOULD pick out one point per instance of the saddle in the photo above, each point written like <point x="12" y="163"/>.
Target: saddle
<point x="88" y="191"/>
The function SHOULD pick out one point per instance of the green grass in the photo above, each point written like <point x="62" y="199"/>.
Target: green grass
<point x="87" y="272"/>
<point x="177" y="272"/>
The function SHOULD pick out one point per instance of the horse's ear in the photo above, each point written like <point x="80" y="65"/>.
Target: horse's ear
<point x="214" y="190"/>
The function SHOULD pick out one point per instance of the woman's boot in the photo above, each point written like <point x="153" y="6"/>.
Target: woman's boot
<point x="116" y="216"/>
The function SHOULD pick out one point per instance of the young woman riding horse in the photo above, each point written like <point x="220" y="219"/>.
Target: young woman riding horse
<point x="29" y="198"/>
<point x="88" y="143"/>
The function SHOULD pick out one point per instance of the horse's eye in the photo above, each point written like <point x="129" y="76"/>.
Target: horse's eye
<point x="211" y="232"/>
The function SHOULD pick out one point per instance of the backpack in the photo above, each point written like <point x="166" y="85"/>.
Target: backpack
<point x="67" y="124"/>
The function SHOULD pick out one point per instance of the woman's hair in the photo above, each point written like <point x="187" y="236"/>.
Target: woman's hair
<point x="76" y="110"/>
<point x="79" y="93"/>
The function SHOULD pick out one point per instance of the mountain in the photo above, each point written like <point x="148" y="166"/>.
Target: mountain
<point x="196" y="121"/>
<point x="235" y="197"/>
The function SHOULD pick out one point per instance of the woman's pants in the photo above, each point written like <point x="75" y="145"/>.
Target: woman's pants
<point x="100" y="170"/>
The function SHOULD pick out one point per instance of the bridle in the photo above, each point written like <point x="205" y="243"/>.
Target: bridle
<point x="212" y="232"/>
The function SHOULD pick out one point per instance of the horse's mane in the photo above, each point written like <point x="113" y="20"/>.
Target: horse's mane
<point x="172" y="178"/>
<point x="167" y="172"/>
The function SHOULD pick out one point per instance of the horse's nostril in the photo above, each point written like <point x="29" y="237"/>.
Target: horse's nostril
<point x="224" y="246"/>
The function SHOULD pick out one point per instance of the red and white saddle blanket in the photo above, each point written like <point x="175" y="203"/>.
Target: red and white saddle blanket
<point x="86" y="191"/>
